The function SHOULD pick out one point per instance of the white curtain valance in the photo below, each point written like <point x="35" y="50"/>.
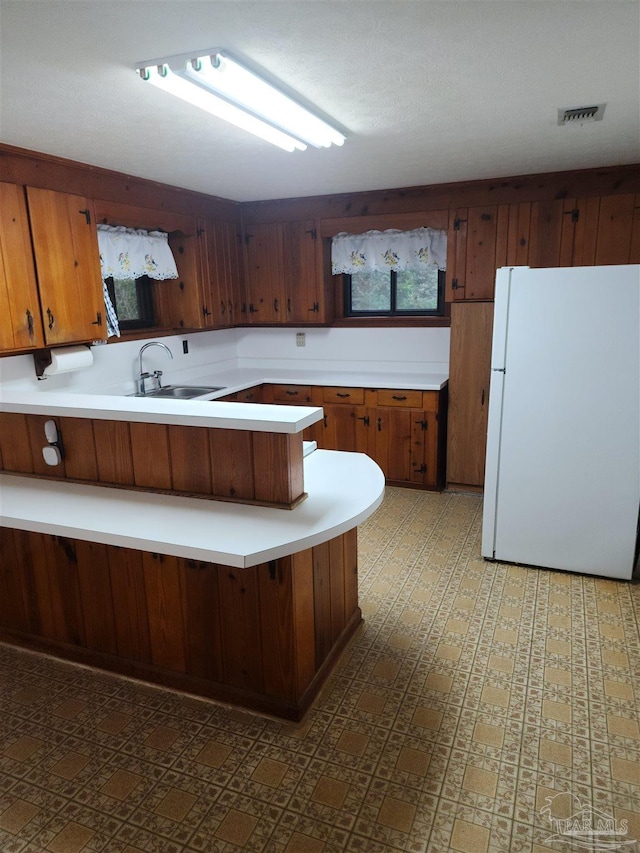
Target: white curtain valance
<point x="129" y="253"/>
<point x="385" y="250"/>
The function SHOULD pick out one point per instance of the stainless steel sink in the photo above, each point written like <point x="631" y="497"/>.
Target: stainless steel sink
<point x="181" y="392"/>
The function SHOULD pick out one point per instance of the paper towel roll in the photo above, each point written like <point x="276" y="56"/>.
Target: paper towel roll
<point x="66" y="359"/>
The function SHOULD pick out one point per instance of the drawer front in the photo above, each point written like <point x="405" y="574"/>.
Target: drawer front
<point x="353" y="396"/>
<point x="292" y="393"/>
<point x="250" y="395"/>
<point x="393" y="397"/>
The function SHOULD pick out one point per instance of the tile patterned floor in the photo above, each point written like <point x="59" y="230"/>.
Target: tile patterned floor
<point x="472" y="695"/>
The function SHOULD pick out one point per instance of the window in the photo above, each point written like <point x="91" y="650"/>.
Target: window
<point x="133" y="302"/>
<point x="391" y="293"/>
<point x="391" y="273"/>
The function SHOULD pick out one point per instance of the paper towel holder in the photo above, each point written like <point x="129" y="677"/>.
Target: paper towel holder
<point x="42" y="359"/>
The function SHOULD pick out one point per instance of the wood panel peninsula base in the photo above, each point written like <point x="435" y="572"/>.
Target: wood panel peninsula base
<point x="246" y="604"/>
<point x="263" y="638"/>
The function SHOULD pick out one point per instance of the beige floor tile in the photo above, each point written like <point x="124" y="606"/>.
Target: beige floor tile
<point x="121" y="784"/>
<point x="488" y="734"/>
<point x="623" y="727"/>
<point x="236" y="827"/>
<point x="72" y="839"/>
<point x="625" y="770"/>
<point x="354" y="743"/>
<point x="70" y="709"/>
<point x="439" y="681"/>
<point x="23" y="748"/>
<point x="427" y="718"/>
<point x="70" y="765"/>
<point x="498" y="696"/>
<point x="162" y="738"/>
<point x="175" y="804"/>
<point x="214" y="753"/>
<point x="304" y="844"/>
<point x="17" y="816"/>
<point x="114" y="723"/>
<point x="270" y="772"/>
<point x="480" y="781"/>
<point x="330" y="792"/>
<point x="469" y="837"/>
<point x="396" y="814"/>
<point x="413" y="761"/>
<point x="557" y="753"/>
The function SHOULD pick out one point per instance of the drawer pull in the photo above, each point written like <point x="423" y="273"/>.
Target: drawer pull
<point x="398" y="396"/>
<point x="344" y="396"/>
<point x="292" y="393"/>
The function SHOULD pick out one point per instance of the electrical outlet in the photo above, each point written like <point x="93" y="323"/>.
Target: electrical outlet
<point x="185" y="347"/>
<point x="300" y="339"/>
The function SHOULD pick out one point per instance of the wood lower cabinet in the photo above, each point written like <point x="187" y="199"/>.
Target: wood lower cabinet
<point x="263" y="637"/>
<point x="404" y="431"/>
<point x="469" y="377"/>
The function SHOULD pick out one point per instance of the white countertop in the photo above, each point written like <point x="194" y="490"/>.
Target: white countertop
<point x="206" y="411"/>
<point x="343" y="490"/>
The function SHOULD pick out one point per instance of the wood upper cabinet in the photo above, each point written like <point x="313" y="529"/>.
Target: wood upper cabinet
<point x="469" y="377"/>
<point x="221" y="272"/>
<point x="67" y="259"/>
<point x="285" y="273"/>
<point x="264" y="274"/>
<point x="556" y="233"/>
<point x="21" y="323"/>
<point x="303" y="273"/>
<point x="477" y="242"/>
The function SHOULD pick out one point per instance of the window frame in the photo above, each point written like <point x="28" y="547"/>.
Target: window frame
<point x="349" y="312"/>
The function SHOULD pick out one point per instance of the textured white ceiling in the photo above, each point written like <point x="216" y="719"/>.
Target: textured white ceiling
<point x="428" y="92"/>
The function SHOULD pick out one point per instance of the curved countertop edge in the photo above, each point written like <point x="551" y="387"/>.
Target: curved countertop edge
<point x="343" y="490"/>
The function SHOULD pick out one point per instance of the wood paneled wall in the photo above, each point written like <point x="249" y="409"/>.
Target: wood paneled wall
<point x="264" y="637"/>
<point x="234" y="465"/>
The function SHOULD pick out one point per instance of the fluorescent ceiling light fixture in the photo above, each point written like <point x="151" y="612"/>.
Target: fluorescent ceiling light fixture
<point x="219" y="84"/>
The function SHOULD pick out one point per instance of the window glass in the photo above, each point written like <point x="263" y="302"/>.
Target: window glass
<point x="132" y="300"/>
<point x="391" y="293"/>
<point x="371" y="291"/>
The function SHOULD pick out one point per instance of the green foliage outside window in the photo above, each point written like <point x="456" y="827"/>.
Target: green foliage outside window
<point x="388" y="292"/>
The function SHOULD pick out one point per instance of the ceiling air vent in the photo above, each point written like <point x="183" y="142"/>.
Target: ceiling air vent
<point x="580" y="115"/>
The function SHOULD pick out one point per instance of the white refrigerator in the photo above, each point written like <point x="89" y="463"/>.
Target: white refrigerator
<point x="562" y="484"/>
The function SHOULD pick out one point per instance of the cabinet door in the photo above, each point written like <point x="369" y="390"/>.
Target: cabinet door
<point x="477" y="247"/>
<point x="469" y="375"/>
<point x="221" y="272"/>
<point x="65" y="244"/>
<point x="264" y="274"/>
<point x="21" y="326"/>
<point x="302" y="273"/>
<point x="345" y="428"/>
<point x="615" y="229"/>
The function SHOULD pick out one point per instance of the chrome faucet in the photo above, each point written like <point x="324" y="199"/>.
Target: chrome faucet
<point x="142" y="375"/>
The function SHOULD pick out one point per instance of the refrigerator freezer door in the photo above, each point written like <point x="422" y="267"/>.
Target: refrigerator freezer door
<point x="566" y="460"/>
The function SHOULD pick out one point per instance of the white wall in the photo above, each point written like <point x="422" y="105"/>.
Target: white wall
<point x="115" y="365"/>
<point x="393" y="350"/>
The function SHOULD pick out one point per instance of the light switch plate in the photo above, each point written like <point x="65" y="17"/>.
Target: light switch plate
<point x="301" y="339"/>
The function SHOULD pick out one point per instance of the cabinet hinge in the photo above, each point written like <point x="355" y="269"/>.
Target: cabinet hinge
<point x="247" y="237"/>
<point x="87" y="215"/>
<point x="315" y="307"/>
<point x="272" y="569"/>
<point x="313" y="233"/>
<point x="423" y="424"/>
<point x="456" y="223"/>
<point x="574" y="214"/>
<point x="421" y="470"/>
<point x="199" y="232"/>
<point x="455" y="285"/>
